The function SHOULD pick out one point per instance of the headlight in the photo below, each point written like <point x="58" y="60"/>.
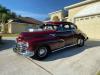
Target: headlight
<point x="27" y="44"/>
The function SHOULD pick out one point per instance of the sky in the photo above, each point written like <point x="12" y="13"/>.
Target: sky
<point x="37" y="9"/>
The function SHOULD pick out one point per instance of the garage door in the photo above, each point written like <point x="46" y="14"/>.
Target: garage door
<point x="89" y="25"/>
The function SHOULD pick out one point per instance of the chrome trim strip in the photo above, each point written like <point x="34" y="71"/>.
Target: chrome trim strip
<point x="64" y="47"/>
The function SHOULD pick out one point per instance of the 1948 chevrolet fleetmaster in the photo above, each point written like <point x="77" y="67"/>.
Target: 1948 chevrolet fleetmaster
<point x="51" y="37"/>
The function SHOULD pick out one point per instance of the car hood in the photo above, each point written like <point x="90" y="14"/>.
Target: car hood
<point x="37" y="33"/>
<point x="26" y="36"/>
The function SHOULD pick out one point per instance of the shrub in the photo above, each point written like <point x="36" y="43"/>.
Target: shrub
<point x="98" y="73"/>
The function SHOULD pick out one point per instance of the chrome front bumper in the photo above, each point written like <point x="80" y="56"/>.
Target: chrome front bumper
<point x="22" y="51"/>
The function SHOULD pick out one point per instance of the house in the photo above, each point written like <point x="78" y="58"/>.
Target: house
<point x="85" y="14"/>
<point x="19" y="25"/>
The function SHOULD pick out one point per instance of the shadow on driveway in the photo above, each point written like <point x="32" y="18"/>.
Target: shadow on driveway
<point x="68" y="52"/>
<point x="71" y="51"/>
<point x="7" y="44"/>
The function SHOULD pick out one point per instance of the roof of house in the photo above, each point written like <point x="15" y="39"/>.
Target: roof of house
<point x="58" y="23"/>
<point x="30" y="20"/>
<point x="89" y="10"/>
<point x="79" y="4"/>
<point x="27" y="20"/>
<point x="55" y="12"/>
<point x="74" y="5"/>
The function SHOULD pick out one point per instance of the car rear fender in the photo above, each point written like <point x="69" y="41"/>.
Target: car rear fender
<point x="82" y="36"/>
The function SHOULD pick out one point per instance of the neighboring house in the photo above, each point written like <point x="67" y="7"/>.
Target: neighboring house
<point x="85" y="14"/>
<point x="19" y="25"/>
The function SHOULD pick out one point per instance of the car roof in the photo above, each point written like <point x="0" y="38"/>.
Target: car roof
<point x="58" y="23"/>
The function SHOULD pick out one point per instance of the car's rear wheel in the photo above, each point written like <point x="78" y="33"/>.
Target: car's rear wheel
<point x="80" y="42"/>
<point x="41" y="52"/>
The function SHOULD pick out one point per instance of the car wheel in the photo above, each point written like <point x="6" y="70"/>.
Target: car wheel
<point x="41" y="53"/>
<point x="80" y="42"/>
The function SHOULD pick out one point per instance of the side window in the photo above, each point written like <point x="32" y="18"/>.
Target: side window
<point x="48" y="28"/>
<point x="66" y="28"/>
<point x="60" y="28"/>
<point x="73" y="27"/>
<point x="55" y="27"/>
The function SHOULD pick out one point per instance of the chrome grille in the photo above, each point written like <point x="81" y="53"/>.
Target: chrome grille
<point x="21" y="47"/>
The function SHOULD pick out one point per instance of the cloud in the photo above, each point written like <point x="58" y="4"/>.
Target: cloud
<point x="30" y="14"/>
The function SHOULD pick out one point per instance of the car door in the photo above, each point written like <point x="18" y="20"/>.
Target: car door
<point x="66" y="35"/>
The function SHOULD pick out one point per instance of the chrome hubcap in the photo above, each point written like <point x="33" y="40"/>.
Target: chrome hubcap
<point x="42" y="52"/>
<point x="80" y="41"/>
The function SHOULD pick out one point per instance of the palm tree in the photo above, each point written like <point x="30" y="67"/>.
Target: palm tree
<point x="5" y="14"/>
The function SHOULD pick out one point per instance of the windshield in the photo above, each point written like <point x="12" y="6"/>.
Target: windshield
<point x="49" y="27"/>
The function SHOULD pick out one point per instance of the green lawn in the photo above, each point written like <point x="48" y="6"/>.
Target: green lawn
<point x="9" y="35"/>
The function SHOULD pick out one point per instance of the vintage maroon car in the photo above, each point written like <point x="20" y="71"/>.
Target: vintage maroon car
<point x="50" y="37"/>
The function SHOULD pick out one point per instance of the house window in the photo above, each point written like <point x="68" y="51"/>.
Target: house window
<point x="98" y="16"/>
<point x="86" y="18"/>
<point x="76" y="19"/>
<point x="81" y="19"/>
<point x="92" y="17"/>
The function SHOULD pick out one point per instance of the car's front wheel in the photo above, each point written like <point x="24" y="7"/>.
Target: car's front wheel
<point x="80" y="42"/>
<point x="41" y="52"/>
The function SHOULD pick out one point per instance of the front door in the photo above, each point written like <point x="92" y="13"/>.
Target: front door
<point x="66" y="34"/>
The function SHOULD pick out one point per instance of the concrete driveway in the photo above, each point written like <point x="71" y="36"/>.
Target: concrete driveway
<point x="70" y="61"/>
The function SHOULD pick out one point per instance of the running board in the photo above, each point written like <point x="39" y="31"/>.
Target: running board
<point x="64" y="47"/>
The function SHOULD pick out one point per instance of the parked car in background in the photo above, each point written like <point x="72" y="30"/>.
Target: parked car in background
<point x="53" y="36"/>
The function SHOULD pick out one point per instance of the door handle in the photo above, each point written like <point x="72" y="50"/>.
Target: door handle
<point x="61" y="40"/>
